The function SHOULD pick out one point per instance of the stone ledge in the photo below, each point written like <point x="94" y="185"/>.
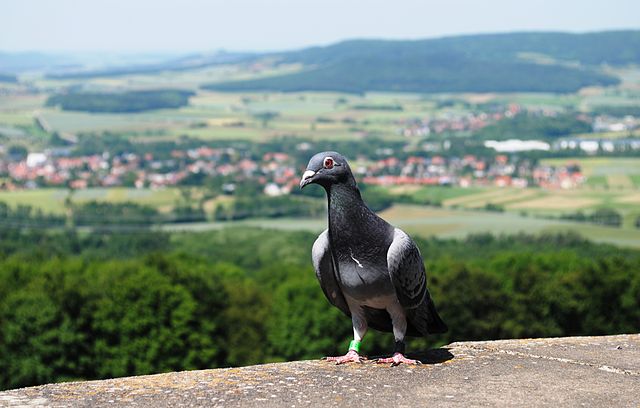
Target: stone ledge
<point x="572" y="371"/>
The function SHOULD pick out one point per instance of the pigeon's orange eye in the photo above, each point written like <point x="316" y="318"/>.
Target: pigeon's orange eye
<point x="328" y="163"/>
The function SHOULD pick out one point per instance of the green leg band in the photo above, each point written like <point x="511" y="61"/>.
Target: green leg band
<point x="355" y="346"/>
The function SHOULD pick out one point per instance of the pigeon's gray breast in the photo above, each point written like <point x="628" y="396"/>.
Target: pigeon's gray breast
<point x="363" y="272"/>
<point x="363" y="280"/>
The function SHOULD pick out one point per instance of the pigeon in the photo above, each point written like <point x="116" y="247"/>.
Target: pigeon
<point x="370" y="270"/>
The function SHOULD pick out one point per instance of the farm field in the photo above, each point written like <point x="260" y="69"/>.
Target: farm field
<point x="307" y="114"/>
<point x="458" y="217"/>
<point x="434" y="193"/>
<point x="611" y="181"/>
<point x="53" y="200"/>
<point x="601" y="166"/>
<point x="213" y="115"/>
<point x="533" y="201"/>
<point x="444" y="223"/>
<point x="329" y="116"/>
<point x="219" y="116"/>
<point x="523" y="208"/>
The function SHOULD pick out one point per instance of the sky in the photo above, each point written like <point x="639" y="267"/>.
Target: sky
<point x="176" y="26"/>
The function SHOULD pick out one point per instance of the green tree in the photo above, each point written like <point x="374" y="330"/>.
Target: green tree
<point x="471" y="302"/>
<point x="265" y="117"/>
<point x="304" y="325"/>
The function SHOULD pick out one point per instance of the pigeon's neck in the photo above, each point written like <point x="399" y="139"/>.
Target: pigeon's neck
<point x="346" y="207"/>
<point x="344" y="194"/>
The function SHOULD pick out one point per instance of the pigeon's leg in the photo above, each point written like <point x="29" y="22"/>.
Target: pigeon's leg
<point x="359" y="330"/>
<point x="399" y="321"/>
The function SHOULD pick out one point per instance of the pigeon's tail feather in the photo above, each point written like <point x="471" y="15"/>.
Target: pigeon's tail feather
<point x="435" y="323"/>
<point x="425" y="320"/>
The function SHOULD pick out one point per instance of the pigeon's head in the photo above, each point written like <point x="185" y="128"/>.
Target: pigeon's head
<point x="327" y="168"/>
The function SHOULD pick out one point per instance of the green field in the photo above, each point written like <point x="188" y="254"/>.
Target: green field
<point x="598" y="166"/>
<point x="435" y="194"/>
<point x="313" y="115"/>
<point x="457" y="224"/>
<point x="611" y="183"/>
<point x="444" y="223"/>
<point x="617" y="174"/>
<point x="214" y="115"/>
<point x="53" y="200"/>
<point x="327" y="116"/>
<point x="598" y="192"/>
<point x="426" y="221"/>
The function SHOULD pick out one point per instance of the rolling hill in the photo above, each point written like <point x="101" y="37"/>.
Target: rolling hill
<point x="184" y="63"/>
<point x="513" y="62"/>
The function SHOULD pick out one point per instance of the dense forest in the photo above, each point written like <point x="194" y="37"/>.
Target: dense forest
<point x="447" y="72"/>
<point x="617" y="110"/>
<point x="133" y="101"/>
<point x="87" y="306"/>
<point x="531" y="126"/>
<point x="476" y="63"/>
<point x="606" y="47"/>
<point x="8" y="78"/>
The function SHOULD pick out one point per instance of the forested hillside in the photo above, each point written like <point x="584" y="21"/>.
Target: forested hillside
<point x="133" y="101"/>
<point x="441" y="73"/>
<point x="608" y="47"/>
<point x="479" y="63"/>
<point x="8" y="78"/>
<point x="77" y="306"/>
<point x="526" y="126"/>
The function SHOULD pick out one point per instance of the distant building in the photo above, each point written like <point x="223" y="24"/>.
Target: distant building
<point x="36" y="159"/>
<point x="516" y="145"/>
<point x="272" y="190"/>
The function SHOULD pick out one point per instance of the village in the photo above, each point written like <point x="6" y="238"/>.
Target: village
<point x="277" y="172"/>
<point x="431" y="163"/>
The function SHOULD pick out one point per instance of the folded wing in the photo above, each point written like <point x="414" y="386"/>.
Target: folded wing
<point x="406" y="270"/>
<point x="326" y="273"/>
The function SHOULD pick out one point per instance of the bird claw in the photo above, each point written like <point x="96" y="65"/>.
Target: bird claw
<point x="397" y="359"/>
<point x="351" y="357"/>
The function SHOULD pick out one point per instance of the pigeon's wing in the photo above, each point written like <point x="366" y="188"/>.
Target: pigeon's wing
<point x="407" y="270"/>
<point x="326" y="272"/>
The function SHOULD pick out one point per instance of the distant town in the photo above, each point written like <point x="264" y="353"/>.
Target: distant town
<point x="278" y="172"/>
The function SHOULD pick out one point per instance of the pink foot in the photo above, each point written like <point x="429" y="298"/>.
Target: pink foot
<point x="398" y="358"/>
<point x="351" y="357"/>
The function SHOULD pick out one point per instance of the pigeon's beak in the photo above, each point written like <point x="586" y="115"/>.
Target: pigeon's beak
<point x="307" y="178"/>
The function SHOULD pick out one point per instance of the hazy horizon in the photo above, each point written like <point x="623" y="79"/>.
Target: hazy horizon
<point x="171" y="27"/>
<point x="176" y="53"/>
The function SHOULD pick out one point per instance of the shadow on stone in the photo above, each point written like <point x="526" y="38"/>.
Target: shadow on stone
<point x="431" y="356"/>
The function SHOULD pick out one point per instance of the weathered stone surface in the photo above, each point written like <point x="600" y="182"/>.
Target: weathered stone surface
<point x="577" y="371"/>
